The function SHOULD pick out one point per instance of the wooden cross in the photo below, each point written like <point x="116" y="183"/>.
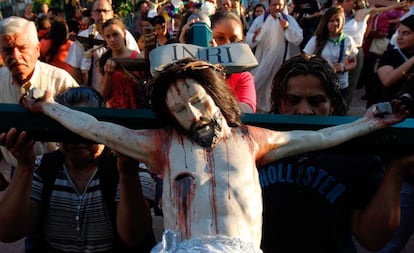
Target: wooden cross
<point x="396" y="140"/>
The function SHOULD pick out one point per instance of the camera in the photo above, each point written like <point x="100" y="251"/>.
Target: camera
<point x="199" y="34"/>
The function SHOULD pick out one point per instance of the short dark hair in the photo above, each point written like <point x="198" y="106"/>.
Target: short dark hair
<point x="220" y="15"/>
<point x="141" y="3"/>
<point x="158" y="20"/>
<point x="80" y="95"/>
<point x="408" y="22"/>
<point x="308" y="65"/>
<point x="210" y="77"/>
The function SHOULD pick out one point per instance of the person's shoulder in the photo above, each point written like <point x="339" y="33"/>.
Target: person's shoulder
<point x="83" y="33"/>
<point x="45" y="44"/>
<point x="67" y="45"/>
<point x="240" y="75"/>
<point x="352" y="163"/>
<point x="288" y="16"/>
<point x="69" y="42"/>
<point x="152" y="13"/>
<point x="45" y="41"/>
<point x="48" y="68"/>
<point x="383" y="16"/>
<point x="390" y="54"/>
<point x="310" y="46"/>
<point x="128" y="33"/>
<point x="44" y="163"/>
<point x="353" y="158"/>
<point x="134" y="54"/>
<point x="54" y="72"/>
<point x="129" y="37"/>
<point x="349" y="39"/>
<point x="261" y="18"/>
<point x="3" y="70"/>
<point x="130" y="41"/>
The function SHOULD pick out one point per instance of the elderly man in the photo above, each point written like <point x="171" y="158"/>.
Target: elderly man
<point x="211" y="196"/>
<point x="83" y="62"/>
<point x="20" y="47"/>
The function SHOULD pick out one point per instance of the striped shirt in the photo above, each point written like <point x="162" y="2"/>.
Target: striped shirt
<point x="78" y="221"/>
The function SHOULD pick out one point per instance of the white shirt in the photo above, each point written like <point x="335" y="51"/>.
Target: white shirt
<point x="331" y="53"/>
<point x="356" y="30"/>
<point x="270" y="50"/>
<point x="45" y="77"/>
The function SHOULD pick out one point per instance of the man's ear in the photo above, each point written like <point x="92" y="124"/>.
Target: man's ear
<point x="38" y="48"/>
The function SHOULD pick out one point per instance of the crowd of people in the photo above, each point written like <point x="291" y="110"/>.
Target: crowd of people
<point x="221" y="186"/>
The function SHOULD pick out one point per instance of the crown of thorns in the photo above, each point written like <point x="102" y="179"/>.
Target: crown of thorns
<point x="194" y="65"/>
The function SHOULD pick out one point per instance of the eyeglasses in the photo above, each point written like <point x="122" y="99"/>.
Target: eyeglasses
<point x="104" y="11"/>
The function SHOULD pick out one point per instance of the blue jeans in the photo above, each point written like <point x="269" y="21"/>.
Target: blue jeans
<point x="406" y="229"/>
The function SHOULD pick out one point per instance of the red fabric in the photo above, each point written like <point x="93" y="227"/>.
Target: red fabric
<point x="125" y="92"/>
<point x="382" y="26"/>
<point x="242" y="85"/>
<point x="42" y="33"/>
<point x="59" y="58"/>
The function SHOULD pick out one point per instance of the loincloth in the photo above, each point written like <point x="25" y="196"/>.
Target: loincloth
<point x="203" y="244"/>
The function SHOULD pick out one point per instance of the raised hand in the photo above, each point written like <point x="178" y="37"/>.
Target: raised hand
<point x="19" y="145"/>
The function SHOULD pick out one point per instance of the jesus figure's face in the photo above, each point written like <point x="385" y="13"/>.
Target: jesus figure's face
<point x="195" y="111"/>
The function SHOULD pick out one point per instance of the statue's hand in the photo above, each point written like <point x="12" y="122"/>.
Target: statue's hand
<point x="34" y="100"/>
<point x="388" y="113"/>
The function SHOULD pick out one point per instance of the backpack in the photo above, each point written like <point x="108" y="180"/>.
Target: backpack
<point x="109" y="178"/>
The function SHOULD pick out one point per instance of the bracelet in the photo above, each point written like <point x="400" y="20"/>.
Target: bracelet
<point x="342" y="68"/>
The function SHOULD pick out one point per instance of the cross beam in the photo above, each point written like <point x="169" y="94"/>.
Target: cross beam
<point x="398" y="139"/>
<point x="87" y="42"/>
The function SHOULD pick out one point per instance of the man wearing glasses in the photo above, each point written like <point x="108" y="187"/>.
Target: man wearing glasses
<point x="83" y="64"/>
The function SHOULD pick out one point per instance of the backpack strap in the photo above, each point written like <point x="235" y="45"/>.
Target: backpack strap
<point x="48" y="170"/>
<point x="109" y="178"/>
<point x="266" y="15"/>
<point x="341" y="50"/>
